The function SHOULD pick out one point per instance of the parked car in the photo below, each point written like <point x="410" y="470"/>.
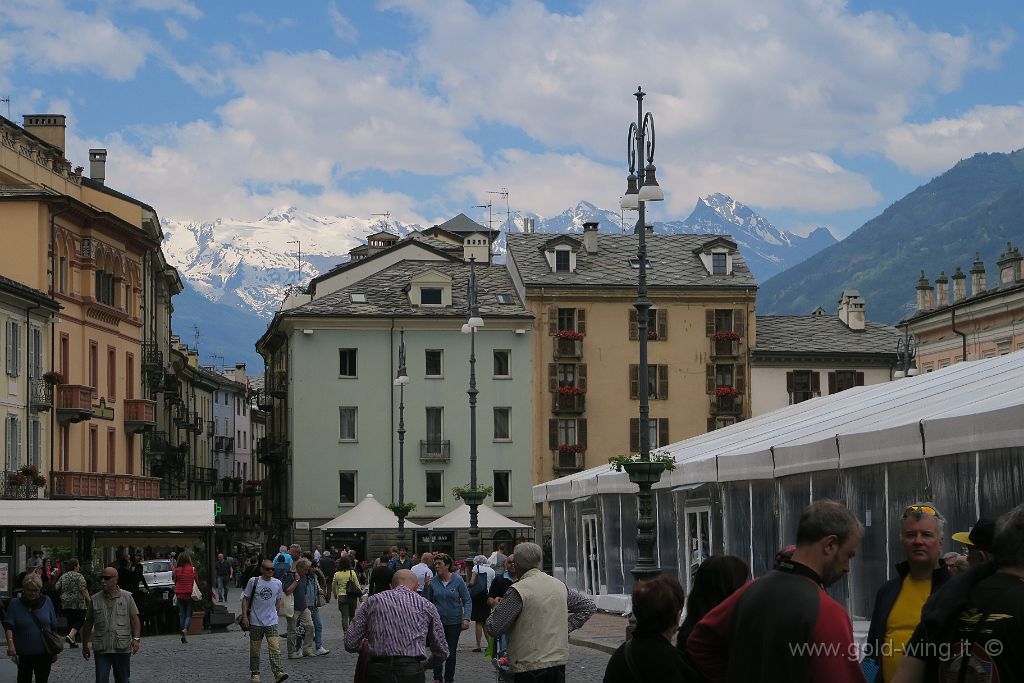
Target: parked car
<point x="157" y="573"/>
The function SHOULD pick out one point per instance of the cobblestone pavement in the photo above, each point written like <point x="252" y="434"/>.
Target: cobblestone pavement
<point x="223" y="657"/>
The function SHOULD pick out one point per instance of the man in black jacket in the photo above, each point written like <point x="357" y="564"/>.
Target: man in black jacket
<point x="899" y="601"/>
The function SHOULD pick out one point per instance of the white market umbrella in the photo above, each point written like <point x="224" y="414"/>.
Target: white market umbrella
<point x="486" y="519"/>
<point x="368" y="515"/>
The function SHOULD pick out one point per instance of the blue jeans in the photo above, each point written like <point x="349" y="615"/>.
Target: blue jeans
<point x="451" y="634"/>
<point x="222" y="588"/>
<point x="120" y="661"/>
<point x="318" y="628"/>
<point x="184" y="614"/>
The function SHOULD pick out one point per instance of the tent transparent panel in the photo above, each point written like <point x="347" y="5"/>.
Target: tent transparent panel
<point x="826" y="485"/>
<point x="572" y="547"/>
<point x="737" y="519"/>
<point x="668" y="541"/>
<point x="764" y="524"/>
<point x="865" y="497"/>
<point x="612" y="534"/>
<point x="953" y="481"/>
<point x="1002" y="481"/>
<point x="794" y="497"/>
<point x="627" y="520"/>
<point x="907" y="485"/>
<point x="558" y="540"/>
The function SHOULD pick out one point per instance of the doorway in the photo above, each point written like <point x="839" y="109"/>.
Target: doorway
<point x="698" y="538"/>
<point x="593" y="574"/>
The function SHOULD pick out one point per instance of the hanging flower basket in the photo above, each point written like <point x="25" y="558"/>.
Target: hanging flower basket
<point x="726" y="336"/>
<point x="470" y="496"/>
<point x="726" y="391"/>
<point x="402" y="511"/>
<point x="569" y="334"/>
<point x="571" y="391"/>
<point x="659" y="459"/>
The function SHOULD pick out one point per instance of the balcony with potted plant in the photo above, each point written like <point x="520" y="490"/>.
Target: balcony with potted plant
<point x="569" y="400"/>
<point x="726" y="401"/>
<point x="568" y="344"/>
<point x="569" y="458"/>
<point x="725" y="344"/>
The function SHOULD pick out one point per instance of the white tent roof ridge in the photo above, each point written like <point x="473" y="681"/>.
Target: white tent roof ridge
<point x="969" y="406"/>
<point x="154" y="515"/>
<point x="369" y="514"/>
<point x="487" y="518"/>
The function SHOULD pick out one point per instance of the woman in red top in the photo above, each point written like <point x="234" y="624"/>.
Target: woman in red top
<point x="185" y="576"/>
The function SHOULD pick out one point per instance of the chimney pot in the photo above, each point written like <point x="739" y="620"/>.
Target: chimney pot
<point x="590" y="236"/>
<point x="977" y="275"/>
<point x="1009" y="265"/>
<point x="925" y="295"/>
<point x="98" y="165"/>
<point x="959" y="285"/>
<point x="942" y="289"/>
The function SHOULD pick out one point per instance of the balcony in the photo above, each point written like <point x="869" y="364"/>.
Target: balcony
<point x="155" y="444"/>
<point x="103" y="485"/>
<point x="202" y="475"/>
<point x="40" y="396"/>
<point x="435" y="451"/>
<point x="171" y="383"/>
<point x="197" y="423"/>
<point x="725" y="348"/>
<point x="566" y="349"/>
<point x="726" y="405"/>
<point x="572" y="404"/>
<point x="74" y="403"/>
<point x="181" y="415"/>
<point x="271" y="451"/>
<point x="264" y="401"/>
<point x="567" y="462"/>
<point x="139" y="415"/>
<point x="229" y="485"/>
<point x="152" y="366"/>
<point x="223" y="444"/>
<point x="278" y="384"/>
<point x="17" y="486"/>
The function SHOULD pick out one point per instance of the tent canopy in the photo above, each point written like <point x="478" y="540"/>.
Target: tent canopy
<point x="966" y="407"/>
<point x="486" y="519"/>
<point x="107" y="514"/>
<point x="368" y="515"/>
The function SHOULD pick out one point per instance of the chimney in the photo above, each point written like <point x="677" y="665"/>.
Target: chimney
<point x="590" y="236"/>
<point x="977" y="275"/>
<point x="98" y="165"/>
<point x="925" y="295"/>
<point x="959" y="285"/>
<point x="49" y="128"/>
<point x="528" y="225"/>
<point x="942" y="290"/>
<point x="851" y="309"/>
<point x="1009" y="265"/>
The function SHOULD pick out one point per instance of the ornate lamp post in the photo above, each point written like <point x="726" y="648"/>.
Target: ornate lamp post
<point x="642" y="187"/>
<point x="906" y="351"/>
<point x="401" y="510"/>
<point x="475" y="495"/>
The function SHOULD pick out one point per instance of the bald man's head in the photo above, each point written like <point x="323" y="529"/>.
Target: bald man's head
<point x="405" y="577"/>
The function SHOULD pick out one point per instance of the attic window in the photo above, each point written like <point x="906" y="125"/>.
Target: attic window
<point x="635" y="263"/>
<point x="562" y="261"/>
<point x="358" y="298"/>
<point x="430" y="296"/>
<point x="719" y="263"/>
<point x="504" y="298"/>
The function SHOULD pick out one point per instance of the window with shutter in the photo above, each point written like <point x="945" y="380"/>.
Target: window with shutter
<point x="634" y="333"/>
<point x="709" y="371"/>
<point x="662" y="324"/>
<point x="13" y="348"/>
<point x="802" y="385"/>
<point x="662" y="382"/>
<point x="709" y="322"/>
<point x="552" y="320"/>
<point x="581" y="320"/>
<point x="581" y="376"/>
<point x="35" y="360"/>
<point x="634" y="382"/>
<point x="739" y="321"/>
<point x="553" y="434"/>
<point x="741" y="378"/>
<point x="552" y="376"/>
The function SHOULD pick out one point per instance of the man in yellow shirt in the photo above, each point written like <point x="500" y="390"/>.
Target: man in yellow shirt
<point x="899" y="601"/>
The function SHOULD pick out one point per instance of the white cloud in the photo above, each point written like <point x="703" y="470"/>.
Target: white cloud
<point x="934" y="146"/>
<point x="182" y="7"/>
<point x="175" y="29"/>
<point x="340" y="24"/>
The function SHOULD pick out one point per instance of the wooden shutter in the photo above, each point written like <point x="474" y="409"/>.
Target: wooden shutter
<point x="662" y="431"/>
<point x="634" y="435"/>
<point x="739" y="321"/>
<point x="634" y="382"/>
<point x="662" y="316"/>
<point x="831" y="383"/>
<point x="790" y="383"/>
<point x="709" y="322"/>
<point x="581" y="432"/>
<point x="581" y="320"/>
<point x="553" y="434"/>
<point x="10" y="349"/>
<point x="740" y="378"/>
<point x="634" y="332"/>
<point x="16" y="345"/>
<point x="816" y="382"/>
<point x="552" y="320"/>
<point x="858" y="379"/>
<point x="710" y="372"/>
<point x="581" y="375"/>
<point x="711" y="424"/>
<point x="663" y="382"/>
<point x="552" y="376"/>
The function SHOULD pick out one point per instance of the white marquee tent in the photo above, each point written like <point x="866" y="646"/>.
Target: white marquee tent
<point x="368" y="515"/>
<point x="487" y="518"/>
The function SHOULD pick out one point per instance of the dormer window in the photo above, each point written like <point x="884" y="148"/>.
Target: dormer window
<point x="430" y="288"/>
<point x="430" y="296"/>
<point x="562" y="261"/>
<point x="716" y="255"/>
<point x="719" y="263"/>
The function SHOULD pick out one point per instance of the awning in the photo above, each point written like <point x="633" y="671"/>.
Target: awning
<point x="156" y="515"/>
<point x="486" y="519"/>
<point x="368" y="515"/>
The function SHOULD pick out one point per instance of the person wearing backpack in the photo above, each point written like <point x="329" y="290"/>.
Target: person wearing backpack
<point x="346" y="588"/>
<point x="479" y="584"/>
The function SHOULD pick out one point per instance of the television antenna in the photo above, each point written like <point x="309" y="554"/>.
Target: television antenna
<point x="195" y="330"/>
<point x="503" y="192"/>
<point x="490" y="220"/>
<point x="7" y="101"/>
<point x="298" y="278"/>
<point x="217" y="355"/>
<point x="386" y="221"/>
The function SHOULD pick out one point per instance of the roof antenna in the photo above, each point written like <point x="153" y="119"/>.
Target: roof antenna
<point x="490" y="221"/>
<point x="298" y="278"/>
<point x="387" y="220"/>
<point x="503" y="192"/>
<point x="195" y="329"/>
<point x="7" y="101"/>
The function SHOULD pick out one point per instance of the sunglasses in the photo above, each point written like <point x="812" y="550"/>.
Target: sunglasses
<point x="926" y="509"/>
<point x="105" y="577"/>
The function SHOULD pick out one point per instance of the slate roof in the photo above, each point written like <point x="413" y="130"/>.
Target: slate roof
<point x="441" y="247"/>
<point x="673" y="263"/>
<point x="998" y="290"/>
<point x="386" y="294"/>
<point x="434" y="242"/>
<point x="7" y="285"/>
<point x="821" y="335"/>
<point x="462" y="224"/>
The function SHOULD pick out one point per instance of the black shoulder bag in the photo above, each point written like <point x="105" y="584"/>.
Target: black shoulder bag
<point x="52" y="643"/>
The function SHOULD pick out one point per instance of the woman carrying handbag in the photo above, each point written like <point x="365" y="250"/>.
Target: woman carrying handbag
<point x="185" y="591"/>
<point x="28" y="617"/>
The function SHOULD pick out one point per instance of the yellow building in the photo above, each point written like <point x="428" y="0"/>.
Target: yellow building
<point x="92" y="250"/>
<point x="585" y="373"/>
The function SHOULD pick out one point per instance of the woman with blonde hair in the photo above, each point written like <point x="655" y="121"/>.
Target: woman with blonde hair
<point x="26" y="618"/>
<point x="185" y="577"/>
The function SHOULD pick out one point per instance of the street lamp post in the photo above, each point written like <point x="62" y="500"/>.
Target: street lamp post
<point x="906" y="351"/>
<point x="401" y="379"/>
<point x="642" y="187"/>
<point x="475" y="496"/>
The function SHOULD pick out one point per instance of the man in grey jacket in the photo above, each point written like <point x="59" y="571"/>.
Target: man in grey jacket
<point x="113" y="623"/>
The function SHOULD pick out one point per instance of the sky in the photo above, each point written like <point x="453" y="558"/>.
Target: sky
<point x="813" y="112"/>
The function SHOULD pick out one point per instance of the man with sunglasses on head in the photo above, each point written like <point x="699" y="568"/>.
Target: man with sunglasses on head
<point x="899" y="601"/>
<point x="112" y="621"/>
<point x="264" y="594"/>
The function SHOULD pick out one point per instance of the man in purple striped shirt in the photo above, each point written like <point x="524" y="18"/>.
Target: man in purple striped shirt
<point x="396" y="624"/>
